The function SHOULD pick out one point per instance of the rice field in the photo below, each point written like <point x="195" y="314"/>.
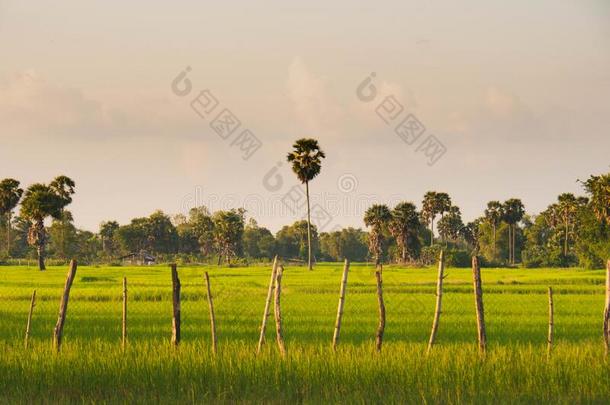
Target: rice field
<point x="92" y="367"/>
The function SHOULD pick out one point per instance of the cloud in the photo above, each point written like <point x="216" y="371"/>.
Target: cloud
<point x="29" y="104"/>
<point x="315" y="109"/>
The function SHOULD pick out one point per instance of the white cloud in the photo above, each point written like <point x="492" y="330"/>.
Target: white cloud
<point x="315" y="108"/>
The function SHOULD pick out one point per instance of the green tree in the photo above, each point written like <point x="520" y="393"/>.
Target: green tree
<point x="202" y="226"/>
<point x="228" y="233"/>
<point x="10" y="194"/>
<point x="449" y="225"/>
<point x="306" y="158"/>
<point x="404" y="225"/>
<point x="564" y="214"/>
<point x="107" y="234"/>
<point x="63" y="241"/>
<point x="428" y="212"/>
<point x="258" y="242"/>
<point x="493" y="216"/>
<point x="598" y="187"/>
<point x="513" y="211"/>
<point x="377" y="218"/>
<point x="41" y="201"/>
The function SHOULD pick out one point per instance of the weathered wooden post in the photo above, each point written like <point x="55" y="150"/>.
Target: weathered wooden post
<point x="212" y="317"/>
<point x="341" y="303"/>
<point x="176" y="306"/>
<point x="28" y="327"/>
<point x="124" y="323"/>
<point x="478" y="301"/>
<point x="607" y="310"/>
<point x="63" y="306"/>
<point x="381" y="326"/>
<point x="551" y="323"/>
<point x="439" y="299"/>
<point x="278" y="311"/>
<point x="261" y="339"/>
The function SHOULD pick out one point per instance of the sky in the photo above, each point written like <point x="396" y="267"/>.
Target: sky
<point x="482" y="100"/>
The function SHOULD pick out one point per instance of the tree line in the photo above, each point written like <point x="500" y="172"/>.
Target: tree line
<point x="573" y="231"/>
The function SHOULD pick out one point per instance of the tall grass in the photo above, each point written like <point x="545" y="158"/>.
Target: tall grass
<point x="452" y="374"/>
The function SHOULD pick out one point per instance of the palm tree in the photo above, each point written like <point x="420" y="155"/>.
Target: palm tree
<point x="513" y="212"/>
<point x="377" y="217"/>
<point x="10" y="194"/>
<point x="567" y="207"/>
<point x="449" y="226"/>
<point x="598" y="188"/>
<point x="428" y="212"/>
<point x="442" y="203"/>
<point x="404" y="223"/>
<point x="306" y="158"/>
<point x="493" y="216"/>
<point x="39" y="202"/>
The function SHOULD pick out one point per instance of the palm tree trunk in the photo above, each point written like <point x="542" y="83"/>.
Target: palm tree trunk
<point x="40" y="250"/>
<point x="512" y="251"/>
<point x="432" y="231"/>
<point x="308" y="228"/>
<point x="510" y="244"/>
<point x="565" y="242"/>
<point x="494" y="250"/>
<point x="8" y="234"/>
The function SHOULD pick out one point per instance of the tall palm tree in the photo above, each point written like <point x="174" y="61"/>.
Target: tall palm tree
<point x="428" y="212"/>
<point x="442" y="203"/>
<point x="377" y="217"/>
<point x="449" y="226"/>
<point x="493" y="216"/>
<point x="404" y="223"/>
<point x="568" y="206"/>
<point x="10" y="194"/>
<point x="514" y="211"/>
<point x="306" y="158"/>
<point x="598" y="188"/>
<point x="39" y="202"/>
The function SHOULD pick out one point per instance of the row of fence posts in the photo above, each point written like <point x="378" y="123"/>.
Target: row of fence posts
<point x="274" y="294"/>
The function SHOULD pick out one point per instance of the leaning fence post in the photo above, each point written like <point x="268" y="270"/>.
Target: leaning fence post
<point x="381" y="326"/>
<point x="278" y="311"/>
<point x="176" y="306"/>
<point x="341" y="303"/>
<point x="478" y="300"/>
<point x="63" y="306"/>
<point x="29" y="324"/>
<point x="439" y="298"/>
<point x="551" y="322"/>
<point x="212" y="317"/>
<point x="607" y="310"/>
<point x="261" y="339"/>
<point x="124" y="322"/>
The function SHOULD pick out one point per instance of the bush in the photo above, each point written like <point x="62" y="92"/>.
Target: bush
<point x="453" y="257"/>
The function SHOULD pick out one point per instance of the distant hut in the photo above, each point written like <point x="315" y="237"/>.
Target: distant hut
<point x="140" y="259"/>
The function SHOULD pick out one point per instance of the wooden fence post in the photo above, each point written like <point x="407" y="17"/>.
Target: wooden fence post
<point x="478" y="301"/>
<point x="261" y="339"/>
<point x="381" y="326"/>
<point x="607" y="310"/>
<point x="341" y="303"/>
<point x="124" y="323"/>
<point x="278" y="311"/>
<point x="551" y="322"/>
<point x="63" y="306"/>
<point x="439" y="298"/>
<point x="212" y="317"/>
<point x="28" y="327"/>
<point x="176" y="306"/>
